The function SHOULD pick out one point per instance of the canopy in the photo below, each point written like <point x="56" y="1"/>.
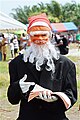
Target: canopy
<point x="8" y="23"/>
<point x="63" y="27"/>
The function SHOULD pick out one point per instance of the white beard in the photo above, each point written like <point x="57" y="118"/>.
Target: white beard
<point x="40" y="53"/>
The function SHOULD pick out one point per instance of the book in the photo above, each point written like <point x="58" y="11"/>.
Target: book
<point x="37" y="89"/>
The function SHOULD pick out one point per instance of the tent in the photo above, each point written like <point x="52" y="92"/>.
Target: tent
<point x="8" y="23"/>
<point x="63" y="27"/>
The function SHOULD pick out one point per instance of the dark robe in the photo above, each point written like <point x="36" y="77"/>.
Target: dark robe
<point x="63" y="80"/>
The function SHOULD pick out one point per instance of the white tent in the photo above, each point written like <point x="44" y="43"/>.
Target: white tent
<point x="8" y="23"/>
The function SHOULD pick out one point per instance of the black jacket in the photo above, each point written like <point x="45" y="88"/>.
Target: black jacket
<point x="64" y="80"/>
<point x="64" y="49"/>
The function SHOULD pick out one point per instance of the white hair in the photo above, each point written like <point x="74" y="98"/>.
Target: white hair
<point x="41" y="53"/>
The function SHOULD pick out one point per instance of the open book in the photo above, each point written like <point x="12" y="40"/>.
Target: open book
<point x="35" y="93"/>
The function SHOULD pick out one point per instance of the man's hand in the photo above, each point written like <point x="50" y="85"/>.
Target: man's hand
<point x="25" y="85"/>
<point x="46" y="96"/>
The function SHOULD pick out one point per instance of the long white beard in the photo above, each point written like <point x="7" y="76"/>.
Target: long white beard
<point x="40" y="53"/>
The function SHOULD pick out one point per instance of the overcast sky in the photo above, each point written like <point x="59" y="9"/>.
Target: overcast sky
<point x="6" y="6"/>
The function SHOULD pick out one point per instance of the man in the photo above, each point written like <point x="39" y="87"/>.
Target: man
<point x="16" y="45"/>
<point x="62" y="44"/>
<point x="1" y="47"/>
<point x="4" y="47"/>
<point x="23" y="41"/>
<point x="43" y="81"/>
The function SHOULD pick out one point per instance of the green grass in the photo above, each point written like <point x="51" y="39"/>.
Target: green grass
<point x="76" y="60"/>
<point x="3" y="72"/>
<point x="4" y="76"/>
<point x="3" y="67"/>
<point x="78" y="84"/>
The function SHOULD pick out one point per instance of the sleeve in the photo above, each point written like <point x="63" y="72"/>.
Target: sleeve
<point x="70" y="87"/>
<point x="14" y="91"/>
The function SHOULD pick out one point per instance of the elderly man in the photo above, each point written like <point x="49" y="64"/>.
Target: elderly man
<point x="42" y="80"/>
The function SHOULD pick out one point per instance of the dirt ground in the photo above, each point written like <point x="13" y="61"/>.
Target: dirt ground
<point x="10" y="112"/>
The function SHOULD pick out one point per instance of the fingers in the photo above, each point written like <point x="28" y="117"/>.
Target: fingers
<point x="22" y="81"/>
<point x="24" y="85"/>
<point x="46" y="95"/>
<point x="24" y="78"/>
<point x="30" y="83"/>
<point x="49" y="95"/>
<point x="40" y="95"/>
<point x="54" y="98"/>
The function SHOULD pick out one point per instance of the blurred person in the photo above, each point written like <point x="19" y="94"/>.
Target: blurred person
<point x="4" y="47"/>
<point x="16" y="46"/>
<point x="78" y="40"/>
<point x="23" y="41"/>
<point x="0" y="47"/>
<point x="12" y="48"/>
<point x="26" y="44"/>
<point x="0" y="51"/>
<point x="42" y="70"/>
<point x="62" y="44"/>
<point x="70" y="38"/>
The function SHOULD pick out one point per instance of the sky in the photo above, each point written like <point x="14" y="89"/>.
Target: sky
<point x="6" y="6"/>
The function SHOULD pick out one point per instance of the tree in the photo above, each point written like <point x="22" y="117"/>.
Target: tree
<point x="22" y="14"/>
<point x="55" y="11"/>
<point x="70" y="12"/>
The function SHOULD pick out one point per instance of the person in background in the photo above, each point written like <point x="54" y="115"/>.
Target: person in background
<point x="4" y="47"/>
<point x="0" y="51"/>
<point x="0" y="47"/>
<point x="62" y="44"/>
<point x="78" y="40"/>
<point x="43" y="74"/>
<point x="16" y="45"/>
<point x="23" y="41"/>
<point x="12" y="48"/>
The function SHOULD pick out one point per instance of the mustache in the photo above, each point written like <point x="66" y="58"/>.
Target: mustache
<point x="40" y="40"/>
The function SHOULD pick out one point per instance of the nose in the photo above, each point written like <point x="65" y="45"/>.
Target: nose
<point x="40" y="37"/>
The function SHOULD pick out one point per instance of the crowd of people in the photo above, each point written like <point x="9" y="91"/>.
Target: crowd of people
<point x="17" y="45"/>
<point x="13" y="44"/>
